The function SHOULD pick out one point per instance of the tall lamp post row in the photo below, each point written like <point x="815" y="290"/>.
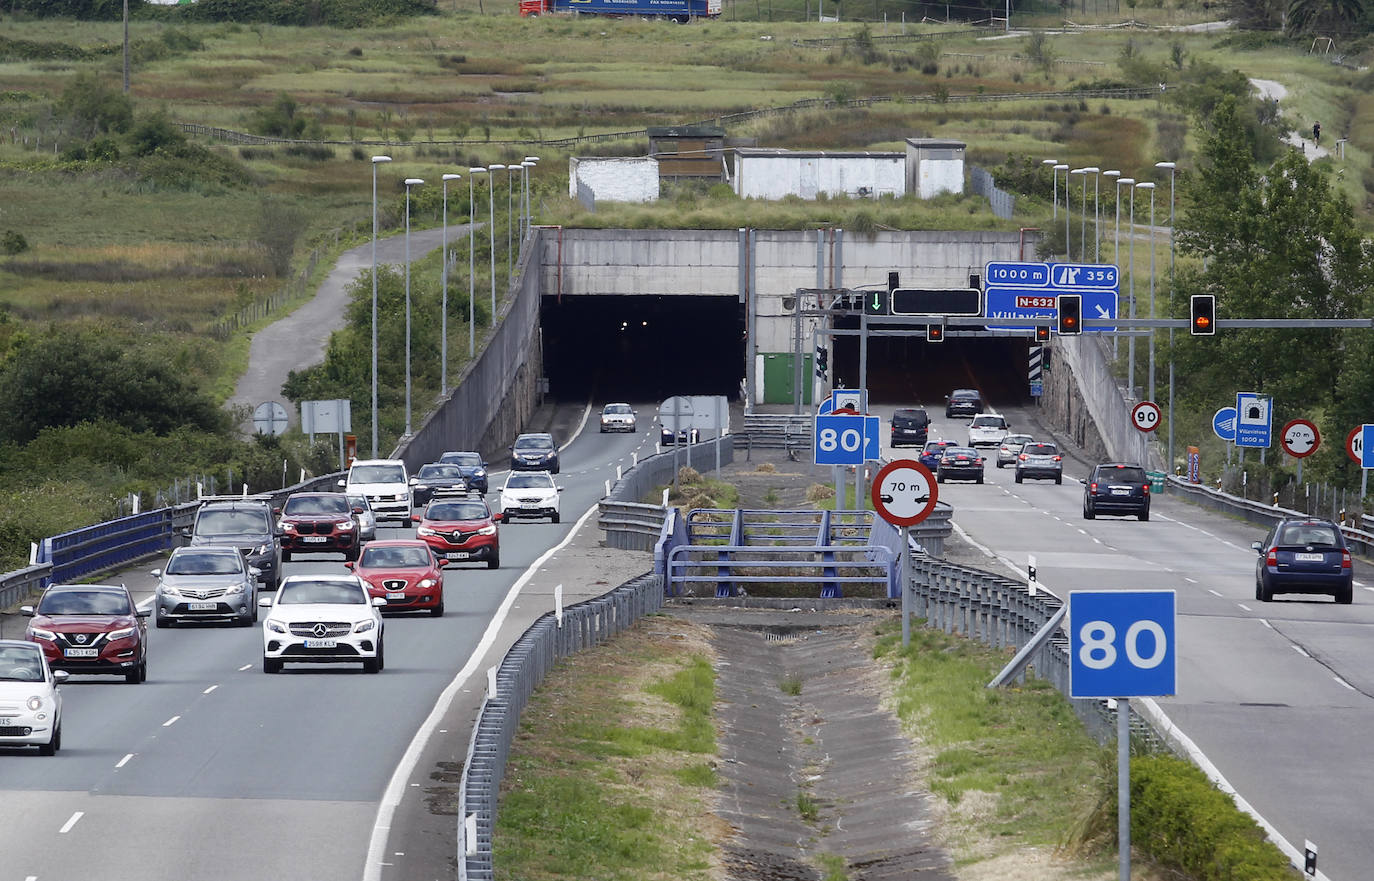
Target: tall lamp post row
<point x="524" y="166"/>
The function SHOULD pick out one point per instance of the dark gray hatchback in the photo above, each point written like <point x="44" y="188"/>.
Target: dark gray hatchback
<point x="1117" y="488"/>
<point x="963" y="402"/>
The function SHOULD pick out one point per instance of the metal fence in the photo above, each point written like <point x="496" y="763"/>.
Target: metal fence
<point x="548" y="640"/>
<point x="984" y="184"/>
<point x="633" y="524"/>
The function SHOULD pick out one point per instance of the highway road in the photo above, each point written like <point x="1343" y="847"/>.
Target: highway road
<point x="213" y="770"/>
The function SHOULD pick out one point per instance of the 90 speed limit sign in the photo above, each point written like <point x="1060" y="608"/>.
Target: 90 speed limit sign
<point x="1145" y="416"/>
<point x="904" y="492"/>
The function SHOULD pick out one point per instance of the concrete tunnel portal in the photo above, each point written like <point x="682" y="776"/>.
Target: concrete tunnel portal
<point x="645" y="348"/>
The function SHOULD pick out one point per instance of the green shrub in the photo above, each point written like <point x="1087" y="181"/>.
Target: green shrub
<point x="13" y="242"/>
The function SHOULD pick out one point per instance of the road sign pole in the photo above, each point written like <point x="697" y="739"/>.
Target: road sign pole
<point x="903" y="568"/>
<point x="863" y="350"/>
<point x="839" y="487"/>
<point x="1123" y="785"/>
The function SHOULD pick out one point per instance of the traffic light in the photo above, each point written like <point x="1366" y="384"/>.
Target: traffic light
<point x="1203" y="315"/>
<point x="1042" y="333"/>
<point x="935" y="333"/>
<point x="1070" y="314"/>
<point x="822" y="361"/>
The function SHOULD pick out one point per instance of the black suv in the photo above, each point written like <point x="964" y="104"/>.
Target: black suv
<point x="1117" y="488"/>
<point x="534" y="452"/>
<point x="247" y="524"/>
<point x="910" y="427"/>
<point x="963" y="402"/>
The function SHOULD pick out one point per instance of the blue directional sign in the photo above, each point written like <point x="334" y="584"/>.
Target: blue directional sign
<point x="1017" y="274"/>
<point x="1121" y="644"/>
<point x="1224" y="423"/>
<point x="846" y="440"/>
<point x="842" y="398"/>
<point x="1074" y="276"/>
<point x="1027" y="293"/>
<point x="1366" y="446"/>
<point x="1254" y="419"/>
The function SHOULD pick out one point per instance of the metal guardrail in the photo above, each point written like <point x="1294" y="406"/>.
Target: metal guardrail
<point x="531" y="657"/>
<point x="632" y="524"/>
<point x="22" y="583"/>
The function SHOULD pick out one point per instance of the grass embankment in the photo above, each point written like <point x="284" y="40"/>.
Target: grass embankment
<point x="611" y="776"/>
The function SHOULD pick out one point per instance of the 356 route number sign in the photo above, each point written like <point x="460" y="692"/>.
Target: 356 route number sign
<point x="904" y="492"/>
<point x="1145" y="416"/>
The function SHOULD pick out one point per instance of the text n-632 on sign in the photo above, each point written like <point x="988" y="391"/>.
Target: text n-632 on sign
<point x="1121" y="644"/>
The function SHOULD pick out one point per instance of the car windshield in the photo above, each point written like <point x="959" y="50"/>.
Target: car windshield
<point x="439" y="472"/>
<point x="457" y="511"/>
<point x="1040" y="449"/>
<point x="617" y="410"/>
<point x="84" y="602"/>
<point x="199" y="563"/>
<point x="322" y="504"/>
<point x="534" y="443"/>
<point x="1316" y="534"/>
<point x="1122" y="474"/>
<point x="299" y="593"/>
<point x="466" y="460"/>
<point x="21" y="663"/>
<point x="1015" y="440"/>
<point x="964" y="395"/>
<point x="358" y="502"/>
<point x="987" y="422"/>
<point x="413" y="557"/>
<point x="231" y="522"/>
<point x="906" y="417"/>
<point x="960" y="451"/>
<point x="529" y="481"/>
<point x="377" y="474"/>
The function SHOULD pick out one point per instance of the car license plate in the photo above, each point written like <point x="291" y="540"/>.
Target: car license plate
<point x="313" y="539"/>
<point x="1120" y="492"/>
<point x="1309" y="558"/>
<point x="396" y="595"/>
<point x="321" y="643"/>
<point x="457" y="555"/>
<point x="202" y="607"/>
<point x="81" y="653"/>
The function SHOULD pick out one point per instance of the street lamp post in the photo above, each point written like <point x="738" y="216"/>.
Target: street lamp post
<point x="1097" y="238"/>
<point x="1067" y="213"/>
<point x="410" y="182"/>
<point x="472" y="277"/>
<point x="1116" y="341"/>
<point x="1151" y="381"/>
<point x="1054" y="182"/>
<point x="528" y="163"/>
<point x="1130" y="343"/>
<point x="491" y="228"/>
<point x="1170" y="166"/>
<point x="510" y="207"/>
<point x="376" y="160"/>
<point x="443" y="296"/>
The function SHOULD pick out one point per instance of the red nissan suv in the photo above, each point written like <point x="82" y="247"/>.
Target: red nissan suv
<point x="91" y="628"/>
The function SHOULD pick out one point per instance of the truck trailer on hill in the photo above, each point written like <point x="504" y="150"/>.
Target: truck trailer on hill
<point x="676" y="10"/>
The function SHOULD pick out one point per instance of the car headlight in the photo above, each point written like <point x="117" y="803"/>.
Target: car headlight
<point x="425" y="530"/>
<point x="479" y="473"/>
<point x="234" y="589"/>
<point x="364" y="626"/>
<point x="345" y="527"/>
<point x="286" y="527"/>
<point x="42" y="634"/>
<point x="489" y="529"/>
<point x="121" y="633"/>
<point x="168" y="590"/>
<point x="275" y="626"/>
<point x="35" y="703"/>
<point x="426" y="583"/>
<point x="261" y="550"/>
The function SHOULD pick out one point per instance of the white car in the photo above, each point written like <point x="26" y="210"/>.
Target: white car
<point x="30" y="704"/>
<point x="322" y="619"/>
<point x="386" y="485"/>
<point x="530" y="494"/>
<point x="618" y="417"/>
<point x="987" y="430"/>
<point x="362" y="513"/>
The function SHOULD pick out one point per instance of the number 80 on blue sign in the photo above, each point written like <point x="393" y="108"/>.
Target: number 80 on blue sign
<point x="1121" y="644"/>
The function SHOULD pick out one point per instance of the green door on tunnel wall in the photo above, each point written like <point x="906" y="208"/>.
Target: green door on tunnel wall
<point x="779" y="380"/>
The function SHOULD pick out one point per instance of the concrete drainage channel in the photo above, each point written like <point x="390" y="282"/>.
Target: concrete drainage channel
<point x="809" y="755"/>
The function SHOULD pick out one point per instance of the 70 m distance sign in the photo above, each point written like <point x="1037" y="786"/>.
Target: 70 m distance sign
<point x="904" y="492"/>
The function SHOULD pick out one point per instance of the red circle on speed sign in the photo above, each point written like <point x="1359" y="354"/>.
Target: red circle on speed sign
<point x="1145" y="416"/>
<point x="1300" y="438"/>
<point x="1353" y="442"/>
<point x="904" y="492"/>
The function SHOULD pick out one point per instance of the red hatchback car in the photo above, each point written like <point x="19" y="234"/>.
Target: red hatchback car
<point x="461" y="531"/>
<point x="404" y="572"/>
<point x="318" y="522"/>
<point x="91" y="628"/>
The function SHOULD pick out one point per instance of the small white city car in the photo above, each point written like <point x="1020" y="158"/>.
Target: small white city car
<point x="30" y="704"/>
<point x="322" y="619"/>
<point x="530" y="494"/>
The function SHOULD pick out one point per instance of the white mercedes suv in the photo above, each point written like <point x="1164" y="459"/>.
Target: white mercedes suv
<point x="322" y="619"/>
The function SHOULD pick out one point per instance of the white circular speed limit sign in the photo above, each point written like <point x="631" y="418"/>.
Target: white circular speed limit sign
<point x="904" y="492"/>
<point x="1145" y="415"/>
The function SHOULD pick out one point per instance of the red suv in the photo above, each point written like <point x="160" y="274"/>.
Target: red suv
<point x="318" y="522"/>
<point x="461" y="531"/>
<point x="91" y="628"/>
<point x="404" y="572"/>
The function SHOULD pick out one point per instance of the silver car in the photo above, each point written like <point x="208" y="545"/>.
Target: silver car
<point x="1040" y="460"/>
<point x="1011" y="448"/>
<point x="362" y="513"/>
<point x="206" y="583"/>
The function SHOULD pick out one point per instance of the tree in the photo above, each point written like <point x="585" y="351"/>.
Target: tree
<point x="94" y="107"/>
<point x="1330" y="15"/>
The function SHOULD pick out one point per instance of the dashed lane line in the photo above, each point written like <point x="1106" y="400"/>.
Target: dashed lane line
<point x="67" y="826"/>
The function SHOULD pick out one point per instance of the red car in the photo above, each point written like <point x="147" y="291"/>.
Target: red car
<point x="318" y="522"/>
<point x="404" y="572"/>
<point x="91" y="628"/>
<point x="461" y="531"/>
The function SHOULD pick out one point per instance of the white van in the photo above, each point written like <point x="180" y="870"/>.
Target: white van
<point x="386" y="485"/>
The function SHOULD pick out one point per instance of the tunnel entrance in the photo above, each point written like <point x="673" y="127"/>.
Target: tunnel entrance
<point x="909" y="370"/>
<point x="642" y="348"/>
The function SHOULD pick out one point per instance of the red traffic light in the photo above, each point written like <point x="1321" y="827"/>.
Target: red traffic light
<point x="1202" y="315"/>
<point x="1042" y="333"/>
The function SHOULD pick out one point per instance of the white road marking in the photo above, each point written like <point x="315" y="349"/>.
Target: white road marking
<point x="1213" y="593"/>
<point x="210" y="689"/>
<point x="67" y="827"/>
<point x="1235" y="546"/>
<point x="170" y="722"/>
<point x="1247" y="608"/>
<point x="124" y="761"/>
<point x="1299" y="650"/>
<point x="245" y="667"/>
<point x="1190" y="580"/>
<point x="1265" y="622"/>
<point x="1340" y="681"/>
<point x="31" y="878"/>
<point x="1082" y="531"/>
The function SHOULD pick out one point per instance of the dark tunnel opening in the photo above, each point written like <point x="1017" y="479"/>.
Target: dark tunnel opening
<point x="642" y="348"/>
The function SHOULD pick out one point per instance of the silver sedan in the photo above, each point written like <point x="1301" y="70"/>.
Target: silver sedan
<point x="206" y="583"/>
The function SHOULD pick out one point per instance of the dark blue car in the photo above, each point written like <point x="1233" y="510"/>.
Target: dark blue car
<point x="1304" y="556"/>
<point x="474" y="469"/>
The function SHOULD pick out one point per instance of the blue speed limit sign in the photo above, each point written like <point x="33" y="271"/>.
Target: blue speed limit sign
<point x="1121" y="643"/>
